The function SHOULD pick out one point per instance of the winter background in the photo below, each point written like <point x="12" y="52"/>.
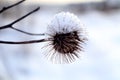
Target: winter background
<point x="99" y="61"/>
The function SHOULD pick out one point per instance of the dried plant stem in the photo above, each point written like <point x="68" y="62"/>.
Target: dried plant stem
<point x="24" y="16"/>
<point x="11" y="24"/>
<point x="28" y="33"/>
<point x="24" y="42"/>
<point x="6" y="8"/>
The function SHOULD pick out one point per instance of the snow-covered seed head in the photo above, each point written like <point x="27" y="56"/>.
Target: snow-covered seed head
<point x="66" y="36"/>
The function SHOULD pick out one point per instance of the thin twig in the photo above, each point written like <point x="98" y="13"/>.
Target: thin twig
<point x="6" y="8"/>
<point x="24" y="42"/>
<point x="11" y="24"/>
<point x="21" y="18"/>
<point x="24" y="16"/>
<point x="28" y="33"/>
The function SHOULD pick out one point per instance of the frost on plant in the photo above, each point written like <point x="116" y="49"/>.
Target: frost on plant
<point x="66" y="36"/>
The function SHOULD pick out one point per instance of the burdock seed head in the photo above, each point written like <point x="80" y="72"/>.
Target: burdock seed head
<point x="66" y="38"/>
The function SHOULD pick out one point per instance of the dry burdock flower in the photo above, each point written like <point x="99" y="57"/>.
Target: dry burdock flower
<point x="67" y="36"/>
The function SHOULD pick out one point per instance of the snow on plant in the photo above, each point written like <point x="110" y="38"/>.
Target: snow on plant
<point x="65" y="40"/>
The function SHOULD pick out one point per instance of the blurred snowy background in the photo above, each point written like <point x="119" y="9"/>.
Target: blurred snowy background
<point x="99" y="61"/>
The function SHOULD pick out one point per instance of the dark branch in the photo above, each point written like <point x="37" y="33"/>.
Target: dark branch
<point x="23" y="42"/>
<point x="4" y="27"/>
<point x="24" y="16"/>
<point x="11" y="24"/>
<point x="6" y="8"/>
<point x="26" y="32"/>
